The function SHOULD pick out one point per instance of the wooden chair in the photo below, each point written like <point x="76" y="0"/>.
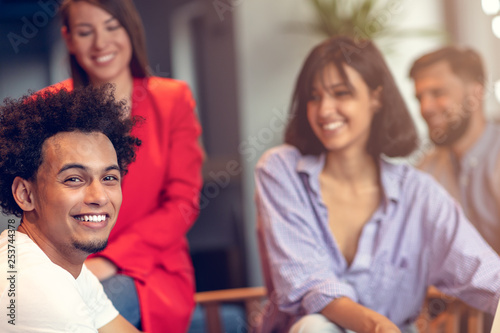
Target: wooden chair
<point x="447" y="321"/>
<point x="212" y="300"/>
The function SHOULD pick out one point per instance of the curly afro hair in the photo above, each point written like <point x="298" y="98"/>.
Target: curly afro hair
<point x="26" y="123"/>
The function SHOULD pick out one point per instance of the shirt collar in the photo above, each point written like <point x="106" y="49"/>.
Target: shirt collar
<point x="481" y="146"/>
<point x="390" y="174"/>
<point x="311" y="166"/>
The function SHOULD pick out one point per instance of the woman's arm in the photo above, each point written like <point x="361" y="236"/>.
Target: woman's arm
<point x="299" y="261"/>
<point x="101" y="267"/>
<point x="355" y="317"/>
<point x="461" y="263"/>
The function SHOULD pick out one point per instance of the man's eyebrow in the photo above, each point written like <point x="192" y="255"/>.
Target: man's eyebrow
<point x="113" y="167"/>
<point x="72" y="166"/>
<point x="84" y="168"/>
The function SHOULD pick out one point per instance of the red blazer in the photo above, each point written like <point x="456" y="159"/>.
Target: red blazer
<point x="160" y="204"/>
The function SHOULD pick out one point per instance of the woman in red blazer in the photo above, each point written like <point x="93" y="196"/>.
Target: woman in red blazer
<point x="147" y="254"/>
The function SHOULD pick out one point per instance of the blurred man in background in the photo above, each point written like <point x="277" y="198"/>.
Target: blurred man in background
<point x="449" y="84"/>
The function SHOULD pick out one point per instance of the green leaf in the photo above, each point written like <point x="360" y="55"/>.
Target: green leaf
<point x="358" y="19"/>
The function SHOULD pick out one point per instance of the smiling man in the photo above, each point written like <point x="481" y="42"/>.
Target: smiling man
<point x="62" y="157"/>
<point x="449" y="84"/>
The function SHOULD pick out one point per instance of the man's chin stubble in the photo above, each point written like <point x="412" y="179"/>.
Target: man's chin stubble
<point x="90" y="247"/>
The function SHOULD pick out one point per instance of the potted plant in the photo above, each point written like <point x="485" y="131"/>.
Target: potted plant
<point x="361" y="19"/>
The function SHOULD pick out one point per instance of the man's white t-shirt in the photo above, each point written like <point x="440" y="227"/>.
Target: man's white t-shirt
<point x="42" y="296"/>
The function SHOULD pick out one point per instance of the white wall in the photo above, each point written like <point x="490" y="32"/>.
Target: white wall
<point x="475" y="31"/>
<point x="269" y="59"/>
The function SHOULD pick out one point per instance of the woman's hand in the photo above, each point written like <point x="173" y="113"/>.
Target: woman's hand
<point x="386" y="326"/>
<point x="101" y="267"/>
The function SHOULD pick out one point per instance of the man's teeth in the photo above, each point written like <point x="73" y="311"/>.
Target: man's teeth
<point x="91" y="218"/>
<point x="105" y="58"/>
<point x="333" y="125"/>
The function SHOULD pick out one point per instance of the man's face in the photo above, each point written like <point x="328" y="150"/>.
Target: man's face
<point x="446" y="102"/>
<point x="76" y="193"/>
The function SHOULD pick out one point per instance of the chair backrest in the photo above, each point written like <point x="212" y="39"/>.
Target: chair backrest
<point x="448" y="320"/>
<point x="442" y="313"/>
<point x="211" y="302"/>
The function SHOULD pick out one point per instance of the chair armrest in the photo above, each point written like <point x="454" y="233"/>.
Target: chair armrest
<point x="230" y="295"/>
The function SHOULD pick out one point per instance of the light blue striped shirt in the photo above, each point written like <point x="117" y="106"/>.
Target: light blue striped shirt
<point x="417" y="237"/>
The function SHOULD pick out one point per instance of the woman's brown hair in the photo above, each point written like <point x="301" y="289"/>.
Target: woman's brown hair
<point x="126" y="13"/>
<point x="392" y="131"/>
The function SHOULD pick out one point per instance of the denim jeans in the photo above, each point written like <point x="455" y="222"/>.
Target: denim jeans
<point x="120" y="289"/>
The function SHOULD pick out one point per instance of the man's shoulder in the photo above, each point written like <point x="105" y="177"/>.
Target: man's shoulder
<point x="31" y="266"/>
<point x="51" y="295"/>
<point x="493" y="137"/>
<point x="48" y="293"/>
<point x="494" y="125"/>
<point x="433" y="157"/>
<point x="45" y="295"/>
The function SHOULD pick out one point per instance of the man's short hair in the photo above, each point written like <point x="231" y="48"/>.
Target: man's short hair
<point x="26" y="123"/>
<point x="464" y="62"/>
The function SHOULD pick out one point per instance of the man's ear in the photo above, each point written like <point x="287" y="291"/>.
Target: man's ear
<point x="475" y="95"/>
<point x="476" y="89"/>
<point x="22" y="190"/>
<point x="67" y="38"/>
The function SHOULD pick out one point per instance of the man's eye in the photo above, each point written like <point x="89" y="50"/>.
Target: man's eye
<point x="73" y="180"/>
<point x="111" y="178"/>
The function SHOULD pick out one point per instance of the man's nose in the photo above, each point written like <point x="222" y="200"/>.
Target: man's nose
<point x="96" y="194"/>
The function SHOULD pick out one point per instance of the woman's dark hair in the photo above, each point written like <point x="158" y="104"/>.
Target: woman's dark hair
<point x="26" y="123"/>
<point x="392" y="130"/>
<point x="126" y="13"/>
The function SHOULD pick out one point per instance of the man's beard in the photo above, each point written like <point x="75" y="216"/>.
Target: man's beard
<point x="455" y="128"/>
<point x="90" y="247"/>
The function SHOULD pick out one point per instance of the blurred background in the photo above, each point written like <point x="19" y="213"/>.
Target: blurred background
<point x="241" y="58"/>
